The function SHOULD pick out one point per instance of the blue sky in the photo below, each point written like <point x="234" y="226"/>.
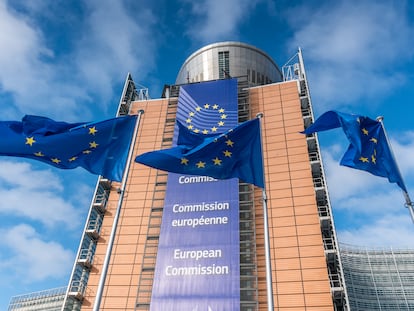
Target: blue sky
<point x="68" y="60"/>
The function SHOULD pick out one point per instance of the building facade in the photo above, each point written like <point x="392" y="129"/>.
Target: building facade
<point x="45" y="300"/>
<point x="116" y="261"/>
<point x="378" y="279"/>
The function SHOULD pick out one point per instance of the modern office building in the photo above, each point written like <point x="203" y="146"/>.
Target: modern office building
<point x="283" y="253"/>
<point x="378" y="279"/>
<point x="45" y="300"/>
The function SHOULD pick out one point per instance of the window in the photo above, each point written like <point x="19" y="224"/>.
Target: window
<point x="224" y="64"/>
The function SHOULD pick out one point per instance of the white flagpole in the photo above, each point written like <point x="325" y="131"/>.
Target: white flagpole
<point x="408" y="203"/>
<point x="121" y="192"/>
<point x="266" y="232"/>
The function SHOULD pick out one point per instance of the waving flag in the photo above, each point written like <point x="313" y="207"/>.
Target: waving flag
<point x="368" y="150"/>
<point x="235" y="153"/>
<point x="99" y="147"/>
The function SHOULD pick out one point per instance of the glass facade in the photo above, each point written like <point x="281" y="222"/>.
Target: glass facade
<point x="378" y="279"/>
<point x="47" y="300"/>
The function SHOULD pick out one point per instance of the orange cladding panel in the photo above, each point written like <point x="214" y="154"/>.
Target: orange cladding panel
<point x="300" y="278"/>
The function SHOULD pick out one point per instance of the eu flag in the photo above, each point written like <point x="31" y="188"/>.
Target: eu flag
<point x="368" y="150"/>
<point x="99" y="147"/>
<point x="234" y="153"/>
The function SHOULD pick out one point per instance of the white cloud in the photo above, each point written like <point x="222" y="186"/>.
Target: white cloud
<point x="351" y="32"/>
<point x="30" y="71"/>
<point x="403" y="148"/>
<point x="213" y="20"/>
<point x="391" y="230"/>
<point x="114" y="42"/>
<point x="342" y="181"/>
<point x="59" y="81"/>
<point x="35" y="194"/>
<point x="352" y="53"/>
<point x="22" y="47"/>
<point x="30" y="257"/>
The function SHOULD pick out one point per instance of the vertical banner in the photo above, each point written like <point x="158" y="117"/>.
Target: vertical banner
<point x="198" y="264"/>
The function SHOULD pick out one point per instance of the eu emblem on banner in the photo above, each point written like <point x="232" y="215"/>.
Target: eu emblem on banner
<point x="202" y="107"/>
<point x="368" y="150"/>
<point x="99" y="147"/>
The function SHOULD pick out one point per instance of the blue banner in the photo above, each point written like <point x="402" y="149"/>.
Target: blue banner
<point x="198" y="264"/>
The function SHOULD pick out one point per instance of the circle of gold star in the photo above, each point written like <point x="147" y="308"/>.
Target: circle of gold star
<point x="207" y="108"/>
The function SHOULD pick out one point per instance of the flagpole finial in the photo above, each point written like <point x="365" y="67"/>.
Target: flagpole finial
<point x="259" y="115"/>
<point x="380" y="118"/>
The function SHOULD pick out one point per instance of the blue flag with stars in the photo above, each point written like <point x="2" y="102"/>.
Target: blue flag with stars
<point x="368" y="150"/>
<point x="234" y="153"/>
<point x="100" y="147"/>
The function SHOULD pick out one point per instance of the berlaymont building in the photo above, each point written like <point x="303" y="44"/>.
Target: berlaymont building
<point x="165" y="241"/>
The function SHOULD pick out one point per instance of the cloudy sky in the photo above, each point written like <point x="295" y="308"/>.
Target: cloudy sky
<point x="68" y="60"/>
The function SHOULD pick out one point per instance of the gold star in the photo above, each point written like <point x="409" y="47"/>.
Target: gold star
<point x="201" y="164"/>
<point x="184" y="161"/>
<point x="188" y="120"/>
<point x="56" y="160"/>
<point x="93" y="144"/>
<point x="221" y="110"/>
<point x="364" y="131"/>
<point x="217" y="161"/>
<point x="30" y="141"/>
<point x="227" y="153"/>
<point x="214" y="129"/>
<point x="196" y="131"/>
<point x="205" y="131"/>
<point x="92" y="130"/>
<point x="220" y="123"/>
<point x="229" y="143"/>
<point x="373" y="159"/>
<point x="191" y="114"/>
<point x="39" y="154"/>
<point x="86" y="151"/>
<point x="374" y="140"/>
<point x="224" y="116"/>
<point x="190" y="127"/>
<point x="206" y="106"/>
<point x="215" y="106"/>
<point x="72" y="159"/>
<point x="198" y="108"/>
<point x="363" y="159"/>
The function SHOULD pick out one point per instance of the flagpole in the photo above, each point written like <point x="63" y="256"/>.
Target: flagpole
<point x="408" y="203"/>
<point x="121" y="192"/>
<point x="266" y="232"/>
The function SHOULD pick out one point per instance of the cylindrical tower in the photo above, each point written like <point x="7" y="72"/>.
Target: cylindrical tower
<point x="229" y="59"/>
